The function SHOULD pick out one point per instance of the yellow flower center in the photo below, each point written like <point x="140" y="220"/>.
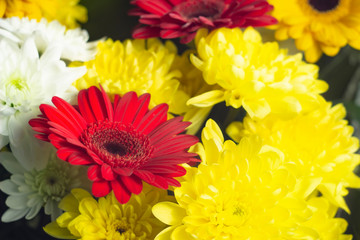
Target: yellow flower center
<point x="119" y="227"/>
<point x="325" y="10"/>
<point x="234" y="215"/>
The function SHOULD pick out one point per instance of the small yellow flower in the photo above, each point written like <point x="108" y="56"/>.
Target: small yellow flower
<point x="318" y="145"/>
<point x="86" y="218"/>
<point x="318" y="26"/>
<point x="240" y="192"/>
<point x="67" y="12"/>
<point x="258" y="76"/>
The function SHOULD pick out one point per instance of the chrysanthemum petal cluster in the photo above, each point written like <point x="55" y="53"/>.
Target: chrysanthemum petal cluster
<point x="72" y="42"/>
<point x="243" y="193"/>
<point x="258" y="76"/>
<point x="316" y="145"/>
<point x="67" y="12"/>
<point x="106" y="218"/>
<point x="318" y="26"/>
<point x="27" y="80"/>
<point x="31" y="190"/>
<point x="142" y="66"/>
<point x="123" y="143"/>
<point x="174" y="18"/>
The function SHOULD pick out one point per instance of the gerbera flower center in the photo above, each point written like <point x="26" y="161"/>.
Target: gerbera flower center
<point x="195" y="8"/>
<point x="324" y="5"/>
<point x="117" y="144"/>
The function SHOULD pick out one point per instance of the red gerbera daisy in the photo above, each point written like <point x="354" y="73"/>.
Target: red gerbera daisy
<point x="124" y="143"/>
<point x="182" y="18"/>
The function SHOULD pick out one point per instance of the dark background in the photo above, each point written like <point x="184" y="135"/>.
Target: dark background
<point x="108" y="18"/>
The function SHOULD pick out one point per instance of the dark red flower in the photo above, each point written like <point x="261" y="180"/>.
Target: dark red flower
<point x="182" y="18"/>
<point x="123" y="143"/>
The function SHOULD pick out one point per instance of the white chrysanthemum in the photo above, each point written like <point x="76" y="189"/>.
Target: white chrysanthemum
<point x="29" y="191"/>
<point x="26" y="81"/>
<point x="73" y="43"/>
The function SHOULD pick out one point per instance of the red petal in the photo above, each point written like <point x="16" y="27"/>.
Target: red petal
<point x="94" y="156"/>
<point x="78" y="158"/>
<point x="177" y="143"/>
<point x="150" y="19"/>
<point x="188" y="38"/>
<point x="170" y="159"/>
<point x="126" y="108"/>
<point x="171" y="33"/>
<point x="173" y="182"/>
<point x="166" y="169"/>
<point x="167" y="130"/>
<point x="97" y="103"/>
<point x="101" y="188"/>
<point x="133" y="183"/>
<point x="152" y="179"/>
<point x="94" y="173"/>
<point x="64" y="152"/>
<point x="158" y="7"/>
<point x="70" y="112"/>
<point x="84" y="107"/>
<point x="108" y="105"/>
<point x="60" y="130"/>
<point x="146" y="32"/>
<point x="107" y="173"/>
<point x="122" y="194"/>
<point x="123" y="171"/>
<point x="57" y="141"/>
<point x="142" y="109"/>
<point x="153" y="118"/>
<point x="58" y="117"/>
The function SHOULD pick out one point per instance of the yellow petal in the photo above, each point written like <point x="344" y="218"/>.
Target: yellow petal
<point x="180" y="234"/>
<point x="165" y="234"/>
<point x="313" y="54"/>
<point x="250" y="34"/>
<point x="207" y="99"/>
<point x="55" y="231"/>
<point x="169" y="213"/>
<point x="234" y="130"/>
<point x="281" y="34"/>
<point x="257" y="108"/>
<point x="2" y="8"/>
<point x="330" y="50"/>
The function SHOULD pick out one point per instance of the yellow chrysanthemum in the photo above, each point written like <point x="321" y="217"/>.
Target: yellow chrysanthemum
<point x="143" y="66"/>
<point x="67" y="12"/>
<point x="318" y="26"/>
<point x="239" y="192"/>
<point x="86" y="218"/>
<point x="318" y="145"/>
<point x="258" y="76"/>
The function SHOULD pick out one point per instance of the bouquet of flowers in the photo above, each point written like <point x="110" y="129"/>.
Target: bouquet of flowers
<point x="203" y="125"/>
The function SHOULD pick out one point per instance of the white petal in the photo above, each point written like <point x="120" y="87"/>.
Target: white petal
<point x="10" y="163"/>
<point x="33" y="211"/>
<point x="12" y="215"/>
<point x="4" y="140"/>
<point x="28" y="150"/>
<point x="4" y="125"/>
<point x="18" y="179"/>
<point x="17" y="202"/>
<point x="29" y="49"/>
<point x="8" y="187"/>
